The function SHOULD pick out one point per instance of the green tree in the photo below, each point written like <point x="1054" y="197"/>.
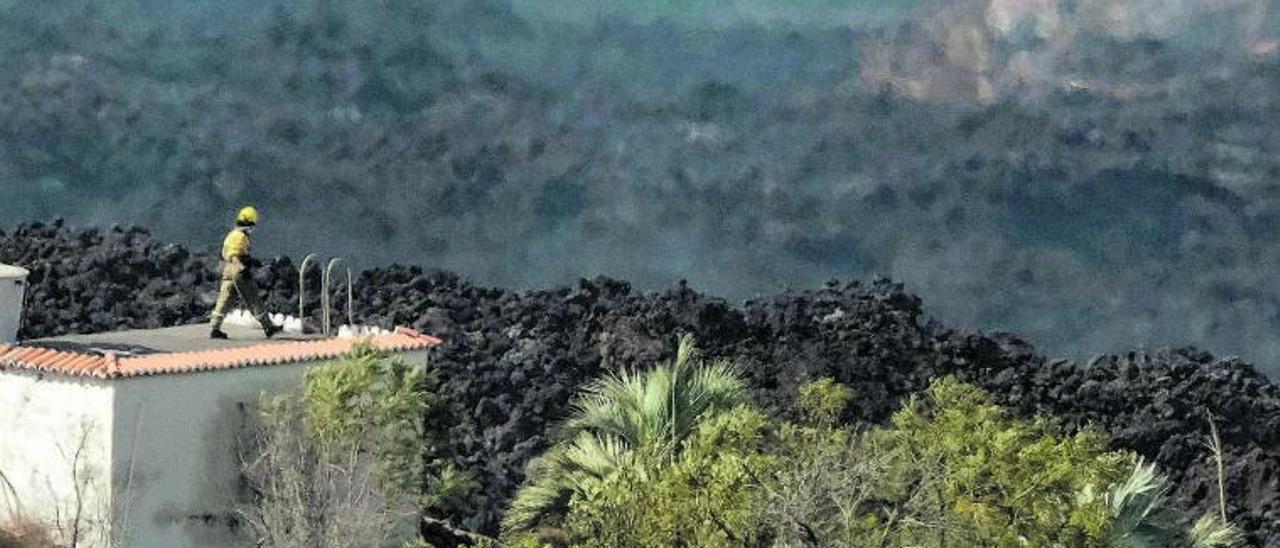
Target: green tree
<point x="635" y="422"/>
<point x="352" y="460"/>
<point x="370" y="403"/>
<point x="968" y="472"/>
<point x="954" y="469"/>
<point x="709" y="495"/>
<point x="823" y="401"/>
<point x="1142" y="518"/>
<point x="951" y="469"/>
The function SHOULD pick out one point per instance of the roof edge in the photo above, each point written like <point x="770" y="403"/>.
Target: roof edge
<point x="109" y="365"/>
<point x="428" y="339"/>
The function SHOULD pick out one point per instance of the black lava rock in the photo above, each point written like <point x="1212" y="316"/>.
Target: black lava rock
<point x="513" y="360"/>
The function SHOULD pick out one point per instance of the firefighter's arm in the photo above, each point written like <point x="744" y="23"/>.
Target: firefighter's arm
<point x="249" y="261"/>
<point x="236" y="252"/>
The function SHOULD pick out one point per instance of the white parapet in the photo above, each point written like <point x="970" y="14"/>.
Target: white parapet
<point x="355" y="331"/>
<point x="241" y="317"/>
<point x="291" y="324"/>
<point x="13" y="287"/>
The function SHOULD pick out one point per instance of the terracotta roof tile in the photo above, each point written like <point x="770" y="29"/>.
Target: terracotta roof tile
<point x="108" y="365"/>
<point x="48" y="360"/>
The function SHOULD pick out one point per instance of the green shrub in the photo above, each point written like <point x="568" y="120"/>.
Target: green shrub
<point x="823" y="401"/>
<point x="634" y="424"/>
<point x="354" y="459"/>
<point x="645" y="467"/>
<point x="954" y="469"/>
<point x="381" y="406"/>
<point x="966" y="471"/>
<point x="709" y="496"/>
<point x="1211" y="532"/>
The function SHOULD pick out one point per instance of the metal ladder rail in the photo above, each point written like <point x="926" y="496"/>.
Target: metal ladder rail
<point x="351" y="301"/>
<point x="302" y="287"/>
<point x="326" y="298"/>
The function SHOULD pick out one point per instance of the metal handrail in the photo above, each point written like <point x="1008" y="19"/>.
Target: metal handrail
<point x="351" y="301"/>
<point x="302" y="287"/>
<point x="326" y="299"/>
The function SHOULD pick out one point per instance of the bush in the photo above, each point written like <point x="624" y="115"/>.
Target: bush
<point x="954" y="469"/>
<point x="963" y="469"/>
<point x="644" y="466"/>
<point x="708" y="497"/>
<point x="349" y="461"/>
<point x="677" y="456"/>
<point x="633" y="426"/>
<point x="368" y="403"/>
<point x="310" y="495"/>
<point x="823" y="401"/>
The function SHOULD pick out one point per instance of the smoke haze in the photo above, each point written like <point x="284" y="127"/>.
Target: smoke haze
<point x="1095" y="175"/>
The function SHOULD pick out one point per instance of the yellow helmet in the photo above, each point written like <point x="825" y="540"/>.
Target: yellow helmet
<point x="248" y="216"/>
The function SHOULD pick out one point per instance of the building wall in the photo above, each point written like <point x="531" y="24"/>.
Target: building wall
<point x="177" y="468"/>
<point x="55" y="452"/>
<point x="176" y="471"/>
<point x="13" y="286"/>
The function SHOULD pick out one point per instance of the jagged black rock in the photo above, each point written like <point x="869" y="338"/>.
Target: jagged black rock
<point x="513" y="360"/>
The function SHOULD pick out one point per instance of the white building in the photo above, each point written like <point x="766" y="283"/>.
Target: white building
<point x="136" y="432"/>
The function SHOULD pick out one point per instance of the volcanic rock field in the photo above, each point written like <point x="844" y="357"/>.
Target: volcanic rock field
<point x="512" y="360"/>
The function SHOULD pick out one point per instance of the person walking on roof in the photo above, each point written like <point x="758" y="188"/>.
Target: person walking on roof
<point x="237" y="277"/>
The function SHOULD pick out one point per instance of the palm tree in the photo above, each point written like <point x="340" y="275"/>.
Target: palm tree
<point x="1143" y="519"/>
<point x="631" y="420"/>
<point x="1138" y="506"/>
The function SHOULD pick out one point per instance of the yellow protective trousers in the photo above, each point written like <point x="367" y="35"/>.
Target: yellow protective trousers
<point x="234" y="290"/>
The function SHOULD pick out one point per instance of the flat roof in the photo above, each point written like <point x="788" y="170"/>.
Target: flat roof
<point x="183" y="338"/>
<point x="188" y="349"/>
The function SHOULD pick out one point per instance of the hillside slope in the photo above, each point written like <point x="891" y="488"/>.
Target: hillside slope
<point x="742" y="153"/>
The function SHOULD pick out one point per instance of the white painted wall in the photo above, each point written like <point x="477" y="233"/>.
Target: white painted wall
<point x="13" y="286"/>
<point x="158" y="466"/>
<point x="176" y="473"/>
<point x="45" y="421"/>
<point x="176" y="468"/>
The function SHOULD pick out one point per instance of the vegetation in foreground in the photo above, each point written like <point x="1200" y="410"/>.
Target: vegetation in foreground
<point x="349" y="461"/>
<point x="679" y="455"/>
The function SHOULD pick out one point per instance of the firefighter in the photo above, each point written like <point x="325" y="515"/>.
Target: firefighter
<point x="237" y="277"/>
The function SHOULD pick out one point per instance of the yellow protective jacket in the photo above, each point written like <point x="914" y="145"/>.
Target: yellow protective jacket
<point x="235" y="249"/>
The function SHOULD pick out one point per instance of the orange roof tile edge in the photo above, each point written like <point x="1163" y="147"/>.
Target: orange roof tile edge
<point x="111" y="366"/>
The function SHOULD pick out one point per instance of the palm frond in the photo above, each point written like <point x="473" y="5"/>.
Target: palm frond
<point x="621" y="417"/>
<point x="1142" y="519"/>
<point x="1211" y="532"/>
<point x="595" y="456"/>
<point x="535" y="503"/>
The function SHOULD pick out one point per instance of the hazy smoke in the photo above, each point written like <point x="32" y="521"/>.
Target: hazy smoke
<point x="988" y="50"/>
<point x="1095" y="175"/>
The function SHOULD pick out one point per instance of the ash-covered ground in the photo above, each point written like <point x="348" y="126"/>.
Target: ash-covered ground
<point x="512" y="359"/>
